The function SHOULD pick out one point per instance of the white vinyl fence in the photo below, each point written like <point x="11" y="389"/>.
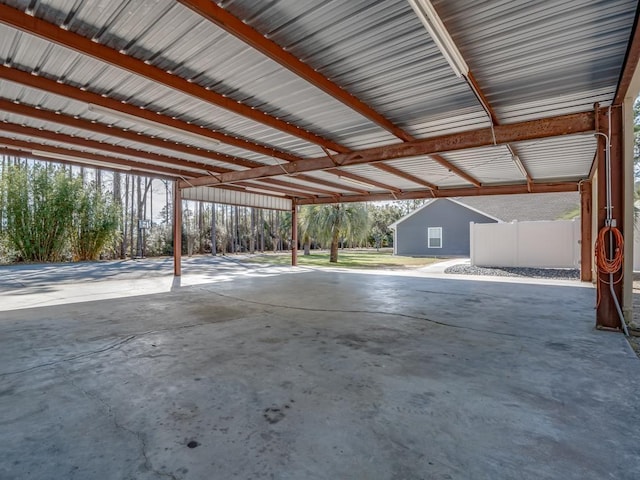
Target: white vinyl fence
<point x="548" y="244"/>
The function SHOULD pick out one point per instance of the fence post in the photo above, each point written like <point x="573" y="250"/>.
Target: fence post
<point x="472" y="248"/>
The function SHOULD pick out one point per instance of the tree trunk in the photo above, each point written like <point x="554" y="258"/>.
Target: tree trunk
<point x="167" y="202"/>
<point x="236" y="231"/>
<point x="125" y="218"/>
<point x="132" y="219"/>
<point x="335" y="241"/>
<point x="139" y="216"/>
<point x="200" y="229"/>
<point x="307" y="245"/>
<point x="262" y="230"/>
<point x="277" y="231"/>
<point x="213" y="229"/>
<point x="252" y="238"/>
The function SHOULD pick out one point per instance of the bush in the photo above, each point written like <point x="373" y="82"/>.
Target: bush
<point x="39" y="206"/>
<point x="95" y="224"/>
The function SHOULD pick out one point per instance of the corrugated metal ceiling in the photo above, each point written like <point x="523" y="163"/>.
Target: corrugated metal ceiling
<point x="531" y="59"/>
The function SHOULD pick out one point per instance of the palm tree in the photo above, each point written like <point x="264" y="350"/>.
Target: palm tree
<point x="331" y="223"/>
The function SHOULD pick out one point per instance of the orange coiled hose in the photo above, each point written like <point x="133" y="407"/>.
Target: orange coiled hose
<point x="605" y="264"/>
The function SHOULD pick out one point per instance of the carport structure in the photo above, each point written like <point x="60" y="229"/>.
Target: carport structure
<point x="291" y="102"/>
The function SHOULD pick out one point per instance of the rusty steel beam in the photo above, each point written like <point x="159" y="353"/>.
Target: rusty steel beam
<point x="297" y="186"/>
<point x="47" y="85"/>
<point x="30" y="146"/>
<point x="515" y="132"/>
<point x="34" y="26"/>
<point x="586" y="233"/>
<point x="473" y="83"/>
<point x="294" y="233"/>
<point x="361" y="179"/>
<point x="61" y="89"/>
<point x="458" y="171"/>
<point x="606" y="312"/>
<point x="450" y="192"/>
<point x="281" y="190"/>
<point x="290" y="189"/>
<point x="107" y="147"/>
<point x="54" y="117"/>
<point x="631" y="61"/>
<point x="132" y="171"/>
<point x="493" y="117"/>
<point x="332" y="185"/>
<point x="61" y="119"/>
<point x="236" y="27"/>
<point x="177" y="230"/>
<point x="407" y="176"/>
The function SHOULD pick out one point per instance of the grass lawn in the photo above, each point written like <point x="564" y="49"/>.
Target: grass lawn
<point x="346" y="259"/>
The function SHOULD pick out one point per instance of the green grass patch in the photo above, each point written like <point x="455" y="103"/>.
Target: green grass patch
<point x="346" y="259"/>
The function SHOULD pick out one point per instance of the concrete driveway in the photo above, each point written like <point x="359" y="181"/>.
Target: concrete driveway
<point x="241" y="371"/>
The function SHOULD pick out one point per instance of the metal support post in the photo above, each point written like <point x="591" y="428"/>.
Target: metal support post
<point x="177" y="230"/>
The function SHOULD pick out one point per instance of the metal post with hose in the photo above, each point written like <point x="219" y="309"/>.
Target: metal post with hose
<point x="609" y="247"/>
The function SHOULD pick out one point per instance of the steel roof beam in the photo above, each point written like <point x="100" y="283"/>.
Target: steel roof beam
<point x="441" y="37"/>
<point x="332" y="185"/>
<point x="30" y="146"/>
<point x="114" y="168"/>
<point x="515" y="132"/>
<point x="453" y="169"/>
<point x="236" y="27"/>
<point x="53" y="87"/>
<point x="450" y="192"/>
<point x="61" y="119"/>
<point x="631" y="61"/>
<point x="276" y="190"/>
<point x="61" y="89"/>
<point x="53" y="33"/>
<point x="297" y="186"/>
<point x="107" y="147"/>
<point x="362" y="180"/>
<point x="407" y="176"/>
<point x="126" y="164"/>
<point x="493" y="117"/>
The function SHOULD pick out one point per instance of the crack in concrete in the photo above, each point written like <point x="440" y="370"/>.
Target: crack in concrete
<point x="373" y="312"/>
<point x="73" y="357"/>
<point x="112" y="346"/>
<point x="111" y="414"/>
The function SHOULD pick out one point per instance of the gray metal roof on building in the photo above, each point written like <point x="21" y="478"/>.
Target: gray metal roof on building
<point x="520" y="207"/>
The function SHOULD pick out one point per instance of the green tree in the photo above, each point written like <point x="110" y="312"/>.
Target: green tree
<point x="39" y="206"/>
<point x="95" y="223"/>
<point x="332" y="223"/>
<point x="381" y="217"/>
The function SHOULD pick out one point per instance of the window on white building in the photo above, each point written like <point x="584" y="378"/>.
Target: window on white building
<point x="434" y="237"/>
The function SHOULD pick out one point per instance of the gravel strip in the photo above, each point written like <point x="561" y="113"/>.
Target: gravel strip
<point x="556" y="273"/>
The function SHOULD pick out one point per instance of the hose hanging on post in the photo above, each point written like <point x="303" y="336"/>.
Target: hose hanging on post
<point x="605" y="264"/>
<point x="609" y="266"/>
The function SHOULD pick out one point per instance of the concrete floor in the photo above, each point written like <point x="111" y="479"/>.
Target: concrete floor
<point x="294" y="374"/>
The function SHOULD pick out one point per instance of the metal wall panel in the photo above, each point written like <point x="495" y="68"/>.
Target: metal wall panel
<point x="232" y="197"/>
